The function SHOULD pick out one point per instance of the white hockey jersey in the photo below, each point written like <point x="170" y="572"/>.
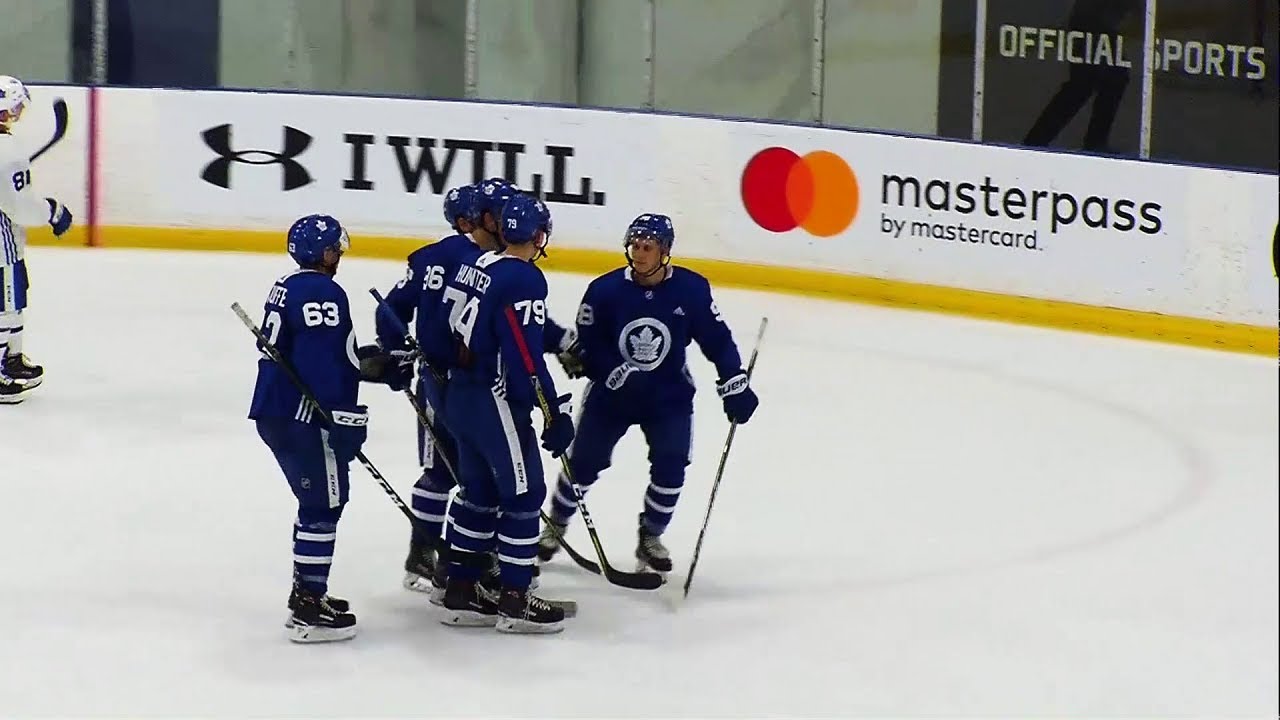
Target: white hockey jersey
<point x="21" y="206"/>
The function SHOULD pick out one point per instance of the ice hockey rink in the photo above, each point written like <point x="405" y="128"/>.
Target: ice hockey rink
<point x="927" y="516"/>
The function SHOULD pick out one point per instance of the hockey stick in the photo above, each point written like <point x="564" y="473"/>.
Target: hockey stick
<point x="724" y="456"/>
<point x="632" y="580"/>
<point x="292" y="374"/>
<point x="409" y="340"/>
<point x="59" y="127"/>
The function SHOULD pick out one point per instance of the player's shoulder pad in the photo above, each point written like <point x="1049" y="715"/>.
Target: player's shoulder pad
<point x="609" y="281"/>
<point x="529" y="279"/>
<point x="11" y="158"/>
<point x="420" y="256"/>
<point x="690" y="281"/>
<point x="313" y="285"/>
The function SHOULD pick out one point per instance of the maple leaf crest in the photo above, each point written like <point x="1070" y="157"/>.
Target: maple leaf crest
<point x="645" y="345"/>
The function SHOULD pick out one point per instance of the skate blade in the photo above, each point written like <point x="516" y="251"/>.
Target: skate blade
<point x="417" y="583"/>
<point x="467" y="618"/>
<point x="570" y="607"/>
<point x="644" y="567"/>
<point x="15" y="398"/>
<point x="516" y="626"/>
<point x="316" y="634"/>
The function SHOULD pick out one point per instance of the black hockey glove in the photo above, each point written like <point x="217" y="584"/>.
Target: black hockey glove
<point x="740" y="401"/>
<point x="391" y="368"/>
<point x="349" y="430"/>
<point x="558" y="434"/>
<point x="570" y="354"/>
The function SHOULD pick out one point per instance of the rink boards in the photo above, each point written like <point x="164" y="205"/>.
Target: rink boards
<point x="1177" y="253"/>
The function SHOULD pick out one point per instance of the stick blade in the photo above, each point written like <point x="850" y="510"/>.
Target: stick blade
<point x="635" y="580"/>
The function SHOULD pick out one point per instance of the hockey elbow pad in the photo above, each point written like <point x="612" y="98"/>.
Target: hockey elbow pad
<point x="740" y="401"/>
<point x="59" y="217"/>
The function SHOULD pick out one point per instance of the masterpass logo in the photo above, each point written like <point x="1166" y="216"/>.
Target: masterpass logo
<point x="820" y="194"/>
<point x="817" y="192"/>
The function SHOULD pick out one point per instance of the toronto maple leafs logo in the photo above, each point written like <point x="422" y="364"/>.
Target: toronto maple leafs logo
<point x="645" y="342"/>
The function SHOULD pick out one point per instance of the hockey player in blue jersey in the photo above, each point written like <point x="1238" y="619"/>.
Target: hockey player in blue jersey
<point x="634" y="325"/>
<point x="308" y="320"/>
<point x="418" y="300"/>
<point x="497" y="303"/>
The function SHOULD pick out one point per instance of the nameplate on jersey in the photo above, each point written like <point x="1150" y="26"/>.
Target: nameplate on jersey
<point x="644" y="343"/>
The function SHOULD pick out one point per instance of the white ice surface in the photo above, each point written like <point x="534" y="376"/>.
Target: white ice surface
<point x="928" y="516"/>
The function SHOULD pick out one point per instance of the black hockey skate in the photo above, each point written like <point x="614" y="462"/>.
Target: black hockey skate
<point x="421" y="567"/>
<point x="12" y="391"/>
<point x="651" y="554"/>
<point x="16" y="367"/>
<point x="315" y="619"/>
<point x="468" y="604"/>
<point x="520" y="611"/>
<point x="549" y="541"/>
<point x="336" y="604"/>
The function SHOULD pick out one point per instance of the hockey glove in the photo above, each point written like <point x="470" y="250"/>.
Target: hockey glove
<point x="618" y="376"/>
<point x="558" y="434"/>
<point x="570" y="354"/>
<point x="393" y="369"/>
<point x="59" y="217"/>
<point x="348" y="432"/>
<point x="740" y="401"/>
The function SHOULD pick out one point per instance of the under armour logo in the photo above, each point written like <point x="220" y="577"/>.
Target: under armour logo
<point x="218" y="172"/>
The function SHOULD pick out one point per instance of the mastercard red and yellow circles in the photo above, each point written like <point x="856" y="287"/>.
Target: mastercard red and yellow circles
<point x="816" y="192"/>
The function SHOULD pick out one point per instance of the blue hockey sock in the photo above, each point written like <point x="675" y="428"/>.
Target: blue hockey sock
<point x="517" y="547"/>
<point x="314" y="535"/>
<point x="429" y="503"/>
<point x="659" y="506"/>
<point x="472" y="529"/>
<point x="563" y="503"/>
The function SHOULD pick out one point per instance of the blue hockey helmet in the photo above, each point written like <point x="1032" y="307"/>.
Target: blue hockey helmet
<point x="523" y="217"/>
<point x="462" y="203"/>
<point x="494" y="193"/>
<point x="653" y="226"/>
<point x="311" y="235"/>
<point x="650" y="226"/>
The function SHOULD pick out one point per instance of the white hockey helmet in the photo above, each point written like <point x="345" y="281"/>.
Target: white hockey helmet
<point x="14" y="98"/>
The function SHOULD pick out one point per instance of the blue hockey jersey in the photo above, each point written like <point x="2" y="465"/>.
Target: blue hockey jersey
<point x="483" y="297"/>
<point x="419" y="299"/>
<point x="307" y="318"/>
<point x="627" y="329"/>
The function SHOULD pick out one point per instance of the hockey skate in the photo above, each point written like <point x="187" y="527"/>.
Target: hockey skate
<point x="16" y="367"/>
<point x="549" y="541"/>
<point x="316" y="620"/>
<point x="651" y="554"/>
<point x="468" y="604"/>
<point x="421" y="567"/>
<point x="522" y="612"/>
<point x="12" y="391"/>
<point x="336" y="604"/>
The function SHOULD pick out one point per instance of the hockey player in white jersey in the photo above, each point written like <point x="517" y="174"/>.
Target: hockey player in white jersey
<point x="21" y="207"/>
